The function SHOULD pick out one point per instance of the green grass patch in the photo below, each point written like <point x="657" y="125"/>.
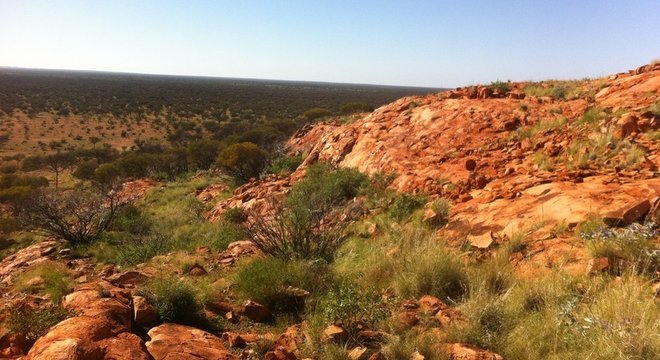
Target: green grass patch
<point x="411" y="262"/>
<point x="604" y="150"/>
<point x="266" y="281"/>
<point x="530" y="131"/>
<point x="562" y="317"/>
<point x="49" y="278"/>
<point x="169" y="218"/>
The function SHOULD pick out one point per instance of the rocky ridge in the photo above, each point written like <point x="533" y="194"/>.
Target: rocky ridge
<point x="488" y="152"/>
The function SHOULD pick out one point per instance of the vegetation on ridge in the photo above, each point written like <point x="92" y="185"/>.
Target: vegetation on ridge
<point x="338" y="262"/>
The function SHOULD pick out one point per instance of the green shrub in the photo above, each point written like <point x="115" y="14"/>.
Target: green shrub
<point x="12" y="180"/>
<point x="79" y="216"/>
<point x="352" y="307"/>
<point x="516" y="243"/>
<point x="174" y="300"/>
<point x="327" y="185"/>
<point x="306" y="224"/>
<point x="166" y="219"/>
<point x="633" y="247"/>
<point x="266" y="280"/>
<point x="315" y="113"/>
<point x="263" y="136"/>
<point x="108" y="173"/>
<point x="559" y="89"/>
<point x="286" y="127"/>
<point x="8" y="225"/>
<point x="543" y="162"/>
<point x="202" y="153"/>
<point x="494" y="277"/>
<point x="132" y="220"/>
<point x="86" y="170"/>
<point x="221" y="235"/>
<point x="34" y="323"/>
<point x="591" y="227"/>
<point x="488" y="325"/>
<point x="242" y="161"/>
<point x="502" y="87"/>
<point x="559" y="316"/>
<point x="439" y="273"/>
<point x="405" y="204"/>
<point x="381" y="180"/>
<point x="235" y="215"/>
<point x="602" y="151"/>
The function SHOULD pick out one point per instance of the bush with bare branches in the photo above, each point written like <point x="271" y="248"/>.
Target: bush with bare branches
<point x="78" y="216"/>
<point x="307" y="224"/>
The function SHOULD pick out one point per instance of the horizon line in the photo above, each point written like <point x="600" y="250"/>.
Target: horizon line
<point x="224" y="77"/>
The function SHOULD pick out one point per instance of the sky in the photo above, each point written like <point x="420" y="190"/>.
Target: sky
<point x="393" y="42"/>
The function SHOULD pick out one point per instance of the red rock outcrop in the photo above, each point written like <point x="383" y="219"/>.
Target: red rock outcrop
<point x="473" y="146"/>
<point x="14" y="264"/>
<point x="255" y="195"/>
<point x="426" y="140"/>
<point x="179" y="342"/>
<point x="133" y="190"/>
<point x="211" y="192"/>
<point x="100" y="328"/>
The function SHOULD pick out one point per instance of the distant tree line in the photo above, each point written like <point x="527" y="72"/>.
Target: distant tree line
<point x="64" y="93"/>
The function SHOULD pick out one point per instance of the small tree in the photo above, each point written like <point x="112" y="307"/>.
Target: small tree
<point x="242" y="160"/>
<point x="58" y="162"/>
<point x="94" y="140"/>
<point x="78" y="216"/>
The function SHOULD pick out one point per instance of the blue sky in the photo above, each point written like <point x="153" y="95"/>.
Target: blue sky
<point x="423" y="43"/>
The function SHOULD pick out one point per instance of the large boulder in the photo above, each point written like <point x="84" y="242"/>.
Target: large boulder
<point x="100" y="328"/>
<point x="125" y="346"/>
<point x="144" y="313"/>
<point x="179" y="342"/>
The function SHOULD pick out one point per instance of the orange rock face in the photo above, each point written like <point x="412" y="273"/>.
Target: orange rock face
<point x="100" y="328"/>
<point x="13" y="265"/>
<point x="179" y="342"/>
<point x="133" y="190"/>
<point x="462" y="138"/>
<point x="488" y="152"/>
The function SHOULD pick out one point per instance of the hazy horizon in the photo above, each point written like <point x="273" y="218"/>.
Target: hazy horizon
<point x="440" y="44"/>
<point x="19" y="68"/>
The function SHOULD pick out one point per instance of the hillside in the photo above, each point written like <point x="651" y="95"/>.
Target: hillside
<point x="501" y="221"/>
<point x="509" y="161"/>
